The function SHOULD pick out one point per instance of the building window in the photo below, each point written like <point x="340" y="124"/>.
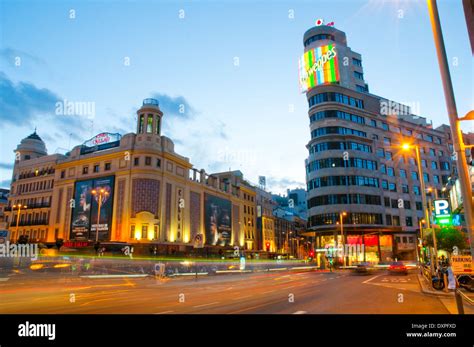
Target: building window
<point x="383" y="168"/>
<point x="136" y="161"/>
<point x="403" y="173"/>
<point x="132" y="231"/>
<point x="380" y="152"/>
<point x="388" y="219"/>
<point x="144" y="231"/>
<point x="141" y="123"/>
<point x="434" y="165"/>
<point x="432" y="152"/>
<point x="414" y="175"/>
<point x="384" y="184"/>
<point x="147" y="161"/>
<point x="405" y="189"/>
<point x="426" y="177"/>
<point x="387" y="141"/>
<point x="358" y="75"/>
<point x="388" y="155"/>
<point x="416" y="190"/>
<point x="390" y="171"/>
<point x="357" y="62"/>
<point x="158" y="162"/>
<point x="96" y="168"/>
<point x="373" y="123"/>
<point x="419" y="205"/>
<point x="435" y="179"/>
<point x="406" y="204"/>
<point x="444" y="165"/>
<point x="385" y="126"/>
<point x="157" y="126"/>
<point x="85" y="170"/>
<point x="63" y="173"/>
<point x="392" y="187"/>
<point x="107" y="166"/>
<point x="149" y="124"/>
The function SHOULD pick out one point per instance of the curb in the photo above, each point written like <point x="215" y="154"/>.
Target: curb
<point x="425" y="288"/>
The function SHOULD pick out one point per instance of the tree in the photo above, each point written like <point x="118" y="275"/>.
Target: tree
<point x="446" y="238"/>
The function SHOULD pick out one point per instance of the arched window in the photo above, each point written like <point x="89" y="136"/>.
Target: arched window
<point x="141" y="124"/>
<point x="149" y="124"/>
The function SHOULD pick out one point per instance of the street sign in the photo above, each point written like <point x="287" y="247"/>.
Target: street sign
<point x="462" y="264"/>
<point x="442" y="211"/>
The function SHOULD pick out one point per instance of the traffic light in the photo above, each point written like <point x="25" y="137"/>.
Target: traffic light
<point x="311" y="254"/>
<point x="267" y="245"/>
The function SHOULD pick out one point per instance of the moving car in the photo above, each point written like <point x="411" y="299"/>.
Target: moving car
<point x="362" y="268"/>
<point x="398" y="267"/>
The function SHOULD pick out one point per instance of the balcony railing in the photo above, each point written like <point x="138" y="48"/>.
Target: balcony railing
<point x="28" y="207"/>
<point x="29" y="223"/>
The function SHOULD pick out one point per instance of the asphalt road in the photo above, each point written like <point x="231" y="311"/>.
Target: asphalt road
<point x="280" y="293"/>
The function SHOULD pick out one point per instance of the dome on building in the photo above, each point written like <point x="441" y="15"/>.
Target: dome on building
<point x="32" y="146"/>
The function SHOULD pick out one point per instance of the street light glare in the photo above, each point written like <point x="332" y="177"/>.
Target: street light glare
<point x="406" y="146"/>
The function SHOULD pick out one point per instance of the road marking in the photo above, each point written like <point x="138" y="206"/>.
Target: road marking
<point x="212" y="303"/>
<point x="370" y="279"/>
<point x="242" y="297"/>
<point x="300" y="312"/>
<point x="164" y="312"/>
<point x="270" y="291"/>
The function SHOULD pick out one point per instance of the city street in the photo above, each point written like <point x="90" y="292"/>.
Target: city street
<point x="260" y="293"/>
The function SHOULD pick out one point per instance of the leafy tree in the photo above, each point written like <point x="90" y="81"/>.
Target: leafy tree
<point x="446" y="238"/>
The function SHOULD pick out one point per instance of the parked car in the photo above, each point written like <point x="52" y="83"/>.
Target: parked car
<point x="398" y="268"/>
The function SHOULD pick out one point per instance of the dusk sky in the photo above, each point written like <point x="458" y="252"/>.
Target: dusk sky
<point x="233" y="65"/>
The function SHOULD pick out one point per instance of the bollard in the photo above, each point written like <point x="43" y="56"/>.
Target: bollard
<point x="459" y="302"/>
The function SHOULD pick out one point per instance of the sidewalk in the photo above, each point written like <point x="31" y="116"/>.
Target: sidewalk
<point x="448" y="298"/>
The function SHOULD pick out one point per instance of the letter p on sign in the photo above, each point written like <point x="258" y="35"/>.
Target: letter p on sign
<point x="441" y="208"/>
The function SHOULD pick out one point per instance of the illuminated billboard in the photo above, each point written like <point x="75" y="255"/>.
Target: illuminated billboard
<point x="217" y="220"/>
<point x="86" y="208"/>
<point x="318" y="66"/>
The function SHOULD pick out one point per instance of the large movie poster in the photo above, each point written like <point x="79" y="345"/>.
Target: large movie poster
<point x="217" y="218"/>
<point x="80" y="225"/>
<point x="86" y="208"/>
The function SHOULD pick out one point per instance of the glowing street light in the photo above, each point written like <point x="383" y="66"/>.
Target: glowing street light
<point x="19" y="206"/>
<point x="102" y="193"/>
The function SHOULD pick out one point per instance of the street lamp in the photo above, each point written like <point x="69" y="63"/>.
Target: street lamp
<point x="426" y="212"/>
<point x="459" y="148"/>
<point x="406" y="147"/>
<point x="420" y="224"/>
<point x="343" y="239"/>
<point x="101" y="193"/>
<point x="19" y="206"/>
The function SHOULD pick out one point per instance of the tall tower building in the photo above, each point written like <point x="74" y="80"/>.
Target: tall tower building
<point x="356" y="170"/>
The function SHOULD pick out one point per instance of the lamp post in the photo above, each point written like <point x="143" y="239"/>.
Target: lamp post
<point x="343" y="239"/>
<point x="19" y="206"/>
<point x="420" y="224"/>
<point x="101" y="194"/>
<point x="426" y="212"/>
<point x="459" y="148"/>
<point x="407" y="147"/>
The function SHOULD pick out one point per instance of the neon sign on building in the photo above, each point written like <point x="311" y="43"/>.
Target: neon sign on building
<point x="318" y="66"/>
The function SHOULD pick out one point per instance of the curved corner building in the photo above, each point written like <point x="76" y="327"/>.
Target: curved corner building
<point x="355" y="163"/>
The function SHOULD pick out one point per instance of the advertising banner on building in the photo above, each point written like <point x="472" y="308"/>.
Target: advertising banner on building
<point x="318" y="66"/>
<point x="106" y="208"/>
<point x="85" y="210"/>
<point x="80" y="225"/>
<point x="217" y="219"/>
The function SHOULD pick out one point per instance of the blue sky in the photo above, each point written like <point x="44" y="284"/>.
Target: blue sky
<point x="233" y="65"/>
